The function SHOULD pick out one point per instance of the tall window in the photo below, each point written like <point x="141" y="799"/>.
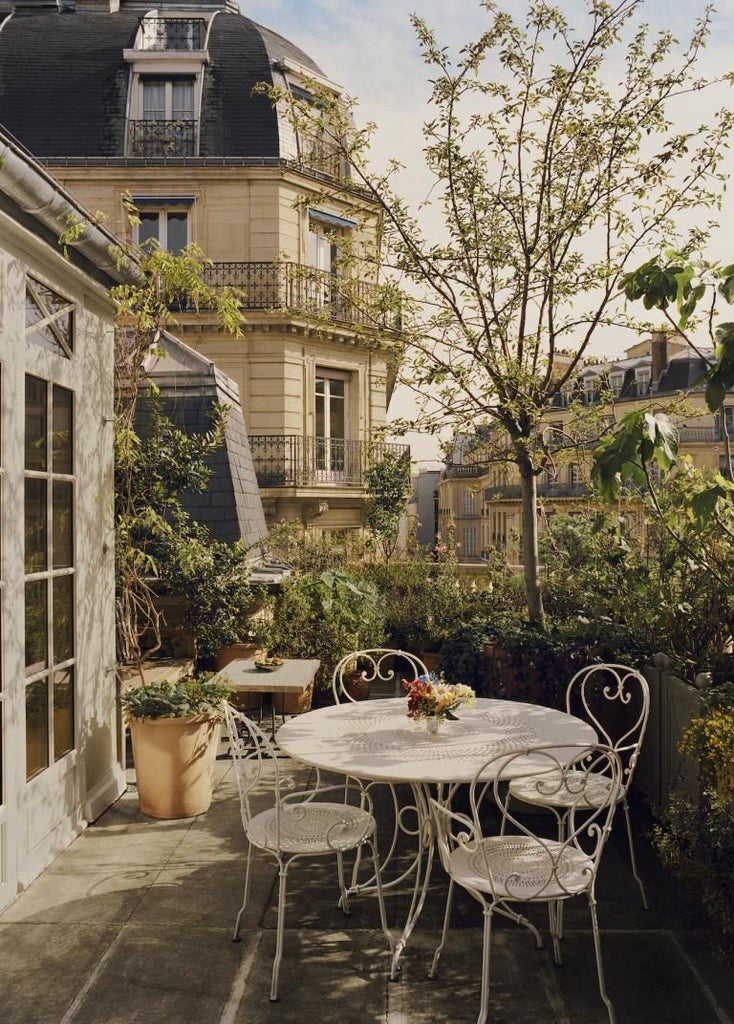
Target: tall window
<point x="467" y="502"/>
<point x="331" y="420"/>
<point x="164" y="120"/>
<point x="2" y="618"/>
<point x="49" y="573"/>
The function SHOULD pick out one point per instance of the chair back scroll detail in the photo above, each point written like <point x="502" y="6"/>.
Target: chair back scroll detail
<point x="375" y="664"/>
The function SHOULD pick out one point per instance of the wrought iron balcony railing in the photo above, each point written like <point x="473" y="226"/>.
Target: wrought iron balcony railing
<point x="173" y="34"/>
<point x="295" y="461"/>
<point x="161" y="138"/>
<point x="302" y="289"/>
<point x="323" y="156"/>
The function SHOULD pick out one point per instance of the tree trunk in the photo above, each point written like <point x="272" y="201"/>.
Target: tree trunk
<point x="529" y="521"/>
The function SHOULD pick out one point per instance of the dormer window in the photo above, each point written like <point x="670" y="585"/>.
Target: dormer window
<point x="167" y="122"/>
<point x="642" y="379"/>
<point x="167" y="67"/>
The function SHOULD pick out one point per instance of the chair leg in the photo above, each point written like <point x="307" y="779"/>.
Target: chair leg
<point x="380" y="894"/>
<point x="599" y="966"/>
<point x="343" y="903"/>
<point x="282" y="882"/>
<point x="486" y="946"/>
<point x="633" y="859"/>
<point x="554" y="924"/>
<point x="433" y="972"/>
<point x="236" y="933"/>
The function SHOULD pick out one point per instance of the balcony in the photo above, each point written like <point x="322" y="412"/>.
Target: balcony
<point x="545" y="489"/>
<point x="161" y="138"/>
<point x="161" y="34"/>
<point x="470" y="471"/>
<point x="295" y="461"/>
<point x="699" y="435"/>
<point x="298" y="288"/>
<point x="324" y="157"/>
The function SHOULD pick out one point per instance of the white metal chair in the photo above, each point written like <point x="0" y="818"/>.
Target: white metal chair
<point x="523" y="867"/>
<point x="298" y="824"/>
<point x="615" y="699"/>
<point x="376" y="664"/>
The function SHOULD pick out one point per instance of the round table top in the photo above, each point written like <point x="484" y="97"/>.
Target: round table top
<point x="376" y="740"/>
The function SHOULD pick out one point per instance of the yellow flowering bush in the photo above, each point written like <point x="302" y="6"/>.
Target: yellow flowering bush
<point x="710" y="740"/>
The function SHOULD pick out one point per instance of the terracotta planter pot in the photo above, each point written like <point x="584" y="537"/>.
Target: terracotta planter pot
<point x="174" y="764"/>
<point x="293" y="703"/>
<point x="356" y="685"/>
<point x="248" y="700"/>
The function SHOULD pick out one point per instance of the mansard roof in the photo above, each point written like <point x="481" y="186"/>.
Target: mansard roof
<point x="64" y="82"/>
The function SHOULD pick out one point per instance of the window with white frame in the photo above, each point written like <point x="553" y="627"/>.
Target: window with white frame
<point x="642" y="379"/>
<point x="169" y="228"/>
<point x="467" y="504"/>
<point x="331" y="412"/>
<point x="49" y="554"/>
<point x="167" y="99"/>
<point x="163" y="118"/>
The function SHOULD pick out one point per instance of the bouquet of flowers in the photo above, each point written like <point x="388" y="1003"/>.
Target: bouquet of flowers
<point x="431" y="697"/>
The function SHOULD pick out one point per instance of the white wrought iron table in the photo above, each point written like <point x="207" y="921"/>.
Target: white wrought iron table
<point x="376" y="742"/>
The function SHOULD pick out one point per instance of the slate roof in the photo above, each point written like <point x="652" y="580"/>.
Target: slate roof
<point x="190" y="385"/>
<point x="64" y="83"/>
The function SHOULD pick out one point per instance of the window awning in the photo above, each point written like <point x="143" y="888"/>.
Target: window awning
<point x="331" y="219"/>
<point x="164" y="200"/>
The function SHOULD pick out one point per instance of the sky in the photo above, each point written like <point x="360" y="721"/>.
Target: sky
<point x="368" y="47"/>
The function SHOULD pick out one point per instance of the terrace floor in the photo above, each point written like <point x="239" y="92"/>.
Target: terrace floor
<point x="132" y="923"/>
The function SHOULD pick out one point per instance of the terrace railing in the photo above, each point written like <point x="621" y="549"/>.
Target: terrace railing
<point x="161" y="138"/>
<point x="295" y="461"/>
<point x="302" y="289"/>
<point x="173" y="34"/>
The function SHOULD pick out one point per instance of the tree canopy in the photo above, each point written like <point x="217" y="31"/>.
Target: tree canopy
<point x="555" y="160"/>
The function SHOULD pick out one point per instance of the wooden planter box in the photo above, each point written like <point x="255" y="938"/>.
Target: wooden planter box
<point x="661" y="770"/>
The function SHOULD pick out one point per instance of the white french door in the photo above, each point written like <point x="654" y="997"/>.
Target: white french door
<point x="331" y="425"/>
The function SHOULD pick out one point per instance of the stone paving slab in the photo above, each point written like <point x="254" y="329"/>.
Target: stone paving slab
<point x="133" y="924"/>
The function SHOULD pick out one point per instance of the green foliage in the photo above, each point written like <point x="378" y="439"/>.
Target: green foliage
<point x="676" y="279"/>
<point x="388" y="488"/>
<point x="512" y="658"/>
<point x="424" y="601"/>
<point x="640" y="439"/>
<point x="313" y="551"/>
<point x="325" y="615"/>
<point x="553" y="157"/>
<point x="182" y="698"/>
<point x="210" y="579"/>
<point x="155" y="462"/>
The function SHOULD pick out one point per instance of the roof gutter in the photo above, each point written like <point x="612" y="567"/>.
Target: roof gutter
<point x="40" y="196"/>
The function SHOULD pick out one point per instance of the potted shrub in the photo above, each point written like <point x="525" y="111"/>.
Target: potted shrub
<point x="324" y="615"/>
<point x="174" y="727"/>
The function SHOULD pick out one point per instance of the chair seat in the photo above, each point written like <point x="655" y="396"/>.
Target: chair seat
<point x="553" y="789"/>
<point x="311" y="828"/>
<point x="521" y="868"/>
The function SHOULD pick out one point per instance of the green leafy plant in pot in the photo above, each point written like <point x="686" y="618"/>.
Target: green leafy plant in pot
<point x="174" y="727"/>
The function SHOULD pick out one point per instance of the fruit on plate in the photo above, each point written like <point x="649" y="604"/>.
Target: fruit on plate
<point x="267" y="662"/>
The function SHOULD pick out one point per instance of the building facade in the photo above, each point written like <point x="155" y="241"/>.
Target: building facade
<point x="59" y="729"/>
<point x="158" y="104"/>
<point x="479" y="494"/>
